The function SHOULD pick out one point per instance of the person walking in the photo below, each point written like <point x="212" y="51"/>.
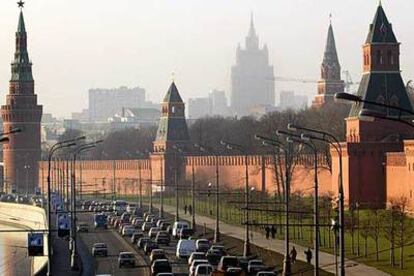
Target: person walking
<point x="190" y="209"/>
<point x="293" y="254"/>
<point x="273" y="231"/>
<point x="185" y="209"/>
<point x="267" y="230"/>
<point x="308" y="255"/>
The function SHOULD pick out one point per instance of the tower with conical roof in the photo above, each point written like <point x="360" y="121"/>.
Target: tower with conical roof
<point x="172" y="140"/>
<point x="22" y="154"/>
<point x="252" y="76"/>
<point x="172" y="128"/>
<point x="381" y="82"/>
<point x="330" y="82"/>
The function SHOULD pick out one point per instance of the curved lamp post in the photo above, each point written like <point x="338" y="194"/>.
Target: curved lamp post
<point x="246" y="248"/>
<point x="330" y="139"/>
<point x="216" y="157"/>
<point x="53" y="149"/>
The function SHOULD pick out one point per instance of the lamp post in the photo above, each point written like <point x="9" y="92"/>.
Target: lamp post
<point x="216" y="163"/>
<point x="76" y="152"/>
<point x="306" y="140"/>
<point x="176" y="151"/>
<point x="246" y="248"/>
<point x="27" y="167"/>
<point x="53" y="149"/>
<point x="287" y="151"/>
<point x="330" y="139"/>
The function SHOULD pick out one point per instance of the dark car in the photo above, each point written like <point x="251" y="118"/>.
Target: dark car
<point x="214" y="256"/>
<point x="159" y="266"/>
<point x="149" y="246"/>
<point x="157" y="254"/>
<point x="164" y="225"/>
<point x="136" y="236"/>
<point x="142" y="242"/>
<point x="226" y="262"/>
<point x="185" y="233"/>
<point x="163" y="238"/>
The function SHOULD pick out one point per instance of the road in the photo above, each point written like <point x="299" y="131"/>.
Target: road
<point x="116" y="243"/>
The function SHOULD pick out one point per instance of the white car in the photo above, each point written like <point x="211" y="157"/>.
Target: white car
<point x="128" y="230"/>
<point x="185" y="248"/>
<point x="194" y="265"/>
<point x="126" y="259"/>
<point x="177" y="226"/>
<point x="196" y="256"/>
<point x="255" y="266"/>
<point x="203" y="270"/>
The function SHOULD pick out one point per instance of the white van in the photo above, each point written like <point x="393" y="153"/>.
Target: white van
<point x="185" y="248"/>
<point x="177" y="226"/>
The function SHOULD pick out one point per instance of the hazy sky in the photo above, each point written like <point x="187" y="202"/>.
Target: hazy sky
<point x="80" y="44"/>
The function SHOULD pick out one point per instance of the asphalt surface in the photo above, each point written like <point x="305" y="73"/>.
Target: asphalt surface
<point x="116" y="243"/>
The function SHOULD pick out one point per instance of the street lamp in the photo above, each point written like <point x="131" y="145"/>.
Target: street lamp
<point x="330" y="139"/>
<point x="216" y="159"/>
<point x="176" y="151"/>
<point x="246" y="248"/>
<point x="53" y="149"/>
<point x="76" y="152"/>
<point x="306" y="140"/>
<point x="287" y="151"/>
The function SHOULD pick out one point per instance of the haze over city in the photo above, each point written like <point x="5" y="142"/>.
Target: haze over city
<point x="77" y="45"/>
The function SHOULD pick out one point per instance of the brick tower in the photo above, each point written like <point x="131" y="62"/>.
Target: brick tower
<point x="367" y="142"/>
<point x="172" y="134"/>
<point x="330" y="82"/>
<point x="22" y="154"/>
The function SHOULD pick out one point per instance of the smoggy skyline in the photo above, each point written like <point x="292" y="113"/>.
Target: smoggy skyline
<point x="76" y="45"/>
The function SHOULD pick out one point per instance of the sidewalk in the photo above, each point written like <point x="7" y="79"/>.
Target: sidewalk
<point x="326" y="260"/>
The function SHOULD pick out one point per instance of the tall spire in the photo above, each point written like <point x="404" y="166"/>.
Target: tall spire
<point x="21" y="65"/>
<point x="252" y="30"/>
<point x="330" y="54"/>
<point x="252" y="40"/>
<point x="380" y="31"/>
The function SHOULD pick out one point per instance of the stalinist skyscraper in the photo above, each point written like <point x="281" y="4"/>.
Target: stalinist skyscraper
<point x="22" y="154"/>
<point x="251" y="77"/>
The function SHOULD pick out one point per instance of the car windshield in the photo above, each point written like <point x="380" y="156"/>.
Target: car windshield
<point x="127" y="255"/>
<point x="231" y="261"/>
<point x="256" y="262"/>
<point x="100" y="245"/>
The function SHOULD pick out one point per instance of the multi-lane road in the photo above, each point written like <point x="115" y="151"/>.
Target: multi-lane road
<point x="116" y="243"/>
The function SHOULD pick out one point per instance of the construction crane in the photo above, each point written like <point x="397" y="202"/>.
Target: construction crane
<point x="348" y="80"/>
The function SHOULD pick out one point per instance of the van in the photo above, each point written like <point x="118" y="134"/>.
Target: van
<point x="185" y="248"/>
<point x="177" y="226"/>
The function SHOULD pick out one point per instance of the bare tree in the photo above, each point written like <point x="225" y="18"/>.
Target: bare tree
<point x="375" y="229"/>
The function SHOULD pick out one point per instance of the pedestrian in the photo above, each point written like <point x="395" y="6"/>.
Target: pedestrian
<point x="308" y="255"/>
<point x="267" y="230"/>
<point x="293" y="255"/>
<point x="273" y="231"/>
<point x="190" y="209"/>
<point x="185" y="209"/>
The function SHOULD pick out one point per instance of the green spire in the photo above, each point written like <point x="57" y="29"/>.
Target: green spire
<point x="21" y="28"/>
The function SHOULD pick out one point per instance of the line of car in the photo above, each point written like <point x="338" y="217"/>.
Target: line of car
<point x="148" y="233"/>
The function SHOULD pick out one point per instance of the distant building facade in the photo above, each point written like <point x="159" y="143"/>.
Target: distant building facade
<point x="198" y="108"/>
<point x="104" y="103"/>
<point x="330" y="82"/>
<point x="289" y="100"/>
<point x="252" y="77"/>
<point x="23" y="151"/>
<point x="219" y="103"/>
<point x="135" y="118"/>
